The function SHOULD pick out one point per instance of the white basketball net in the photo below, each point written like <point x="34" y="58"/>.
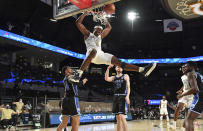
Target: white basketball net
<point x="99" y="16"/>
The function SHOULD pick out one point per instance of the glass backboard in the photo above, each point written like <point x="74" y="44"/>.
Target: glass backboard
<point x="64" y="8"/>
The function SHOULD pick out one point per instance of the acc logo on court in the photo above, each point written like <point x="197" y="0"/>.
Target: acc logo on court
<point x="173" y="25"/>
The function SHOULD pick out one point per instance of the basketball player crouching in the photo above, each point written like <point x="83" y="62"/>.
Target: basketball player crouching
<point x="70" y="104"/>
<point x="121" y="95"/>
<point x="95" y="54"/>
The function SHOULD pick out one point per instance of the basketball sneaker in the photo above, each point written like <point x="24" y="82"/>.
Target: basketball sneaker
<point x="76" y="76"/>
<point x="148" y="69"/>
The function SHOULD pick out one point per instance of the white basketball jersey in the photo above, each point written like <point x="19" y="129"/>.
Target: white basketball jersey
<point x="186" y="84"/>
<point x="164" y="104"/>
<point x="93" y="42"/>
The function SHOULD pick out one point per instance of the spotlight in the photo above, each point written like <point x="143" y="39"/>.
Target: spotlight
<point x="133" y="15"/>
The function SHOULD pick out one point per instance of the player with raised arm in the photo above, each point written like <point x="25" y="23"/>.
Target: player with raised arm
<point x="70" y="103"/>
<point x="121" y="95"/>
<point x="95" y="54"/>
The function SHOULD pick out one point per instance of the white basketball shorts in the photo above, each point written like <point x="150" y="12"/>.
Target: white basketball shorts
<point x="187" y="100"/>
<point x="101" y="57"/>
<point x="163" y="111"/>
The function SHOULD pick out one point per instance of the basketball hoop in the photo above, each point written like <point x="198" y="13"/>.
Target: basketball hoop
<point x="99" y="16"/>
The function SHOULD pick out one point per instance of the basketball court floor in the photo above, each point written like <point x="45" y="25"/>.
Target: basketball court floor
<point x="136" y="125"/>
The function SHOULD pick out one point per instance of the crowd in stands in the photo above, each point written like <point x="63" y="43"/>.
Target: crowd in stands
<point x="23" y="69"/>
<point x="12" y="112"/>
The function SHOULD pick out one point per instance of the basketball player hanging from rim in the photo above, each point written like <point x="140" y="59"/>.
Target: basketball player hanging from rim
<point x="97" y="56"/>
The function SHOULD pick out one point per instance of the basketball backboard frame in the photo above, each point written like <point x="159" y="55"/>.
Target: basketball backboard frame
<point x="71" y="10"/>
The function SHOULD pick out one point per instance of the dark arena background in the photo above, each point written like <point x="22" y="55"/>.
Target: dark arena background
<point x="39" y="37"/>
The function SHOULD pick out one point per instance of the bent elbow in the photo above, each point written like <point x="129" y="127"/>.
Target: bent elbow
<point x="105" y="78"/>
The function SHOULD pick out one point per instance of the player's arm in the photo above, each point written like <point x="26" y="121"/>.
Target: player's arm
<point x="180" y="91"/>
<point x="14" y="113"/>
<point x="82" y="82"/>
<point x="127" y="78"/>
<point x="106" y="30"/>
<point x="170" y="106"/>
<point x="193" y="83"/>
<point x="160" y="105"/>
<point x="107" y="78"/>
<point x="81" y="27"/>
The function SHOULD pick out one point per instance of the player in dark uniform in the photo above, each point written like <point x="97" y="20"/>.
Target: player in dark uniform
<point x="121" y="95"/>
<point x="70" y="104"/>
<point x="196" y="83"/>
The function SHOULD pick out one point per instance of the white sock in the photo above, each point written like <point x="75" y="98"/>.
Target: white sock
<point x="174" y="123"/>
<point x="141" y="69"/>
<point x="161" y="118"/>
<point x="167" y="118"/>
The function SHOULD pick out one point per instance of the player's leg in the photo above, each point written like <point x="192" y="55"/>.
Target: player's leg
<point x="119" y="123"/>
<point x="165" y="112"/>
<point x="63" y="123"/>
<point x="123" y="106"/>
<point x="167" y="117"/>
<point x="124" y="122"/>
<point x="188" y="123"/>
<point x="88" y="60"/>
<point x="84" y="65"/>
<point x="177" y="111"/>
<point x="202" y="115"/>
<point x="186" y="112"/>
<point x="116" y="111"/>
<point x="129" y="67"/>
<point x="161" y="114"/>
<point x="161" y="119"/>
<point x="75" y="123"/>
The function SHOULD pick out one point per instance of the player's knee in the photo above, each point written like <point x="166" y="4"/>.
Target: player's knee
<point x="184" y="124"/>
<point x="64" y="123"/>
<point x="118" y="118"/>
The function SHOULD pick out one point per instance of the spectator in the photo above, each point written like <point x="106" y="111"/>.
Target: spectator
<point x="6" y="118"/>
<point x="19" y="108"/>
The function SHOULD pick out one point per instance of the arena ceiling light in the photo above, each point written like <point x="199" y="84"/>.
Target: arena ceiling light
<point x="133" y="15"/>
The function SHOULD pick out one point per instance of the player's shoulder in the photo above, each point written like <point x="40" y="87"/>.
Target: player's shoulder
<point x="183" y="76"/>
<point x="192" y="73"/>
